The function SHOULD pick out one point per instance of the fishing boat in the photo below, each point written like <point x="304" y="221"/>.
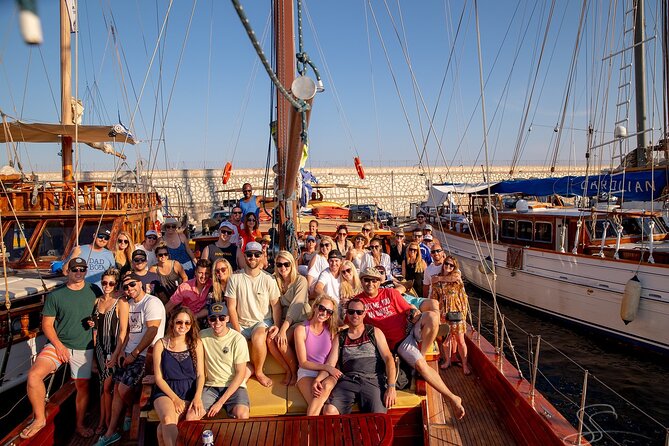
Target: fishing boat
<point x="43" y="221"/>
<point x="502" y="407"/>
<point x="591" y="250"/>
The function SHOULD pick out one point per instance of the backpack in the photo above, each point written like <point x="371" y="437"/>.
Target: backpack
<point x="404" y="371"/>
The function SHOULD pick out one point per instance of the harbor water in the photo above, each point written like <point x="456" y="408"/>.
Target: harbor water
<point x="620" y="376"/>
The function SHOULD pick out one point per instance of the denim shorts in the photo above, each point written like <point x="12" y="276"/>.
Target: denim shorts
<point x="132" y="374"/>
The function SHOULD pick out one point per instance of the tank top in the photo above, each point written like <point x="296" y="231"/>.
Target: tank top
<point x="107" y="325"/>
<point x="179" y="373"/>
<point x="181" y="255"/>
<point x="229" y="254"/>
<point x="250" y="206"/>
<point x="317" y="346"/>
<point x="170" y="281"/>
<point x="361" y="357"/>
<point x="416" y="277"/>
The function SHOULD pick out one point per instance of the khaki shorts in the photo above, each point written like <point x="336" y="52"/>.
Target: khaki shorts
<point x="81" y="361"/>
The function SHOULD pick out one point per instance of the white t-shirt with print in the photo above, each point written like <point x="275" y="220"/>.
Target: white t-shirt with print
<point x="150" y="308"/>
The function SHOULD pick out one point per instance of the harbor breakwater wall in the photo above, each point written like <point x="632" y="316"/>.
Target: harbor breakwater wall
<point x="197" y="191"/>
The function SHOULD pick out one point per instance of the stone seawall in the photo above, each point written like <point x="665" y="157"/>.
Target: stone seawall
<point x="197" y="192"/>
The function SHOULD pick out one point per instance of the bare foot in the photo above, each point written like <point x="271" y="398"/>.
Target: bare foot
<point x="101" y="429"/>
<point x="293" y="380"/>
<point x="263" y="379"/>
<point x="85" y="432"/>
<point x="459" y="409"/>
<point x="32" y="429"/>
<point x="466" y="369"/>
<point x="287" y="379"/>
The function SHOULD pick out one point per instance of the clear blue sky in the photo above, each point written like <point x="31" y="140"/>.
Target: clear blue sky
<point x="364" y="118"/>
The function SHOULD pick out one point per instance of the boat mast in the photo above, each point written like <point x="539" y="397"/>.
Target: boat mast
<point x="66" y="89"/>
<point x="289" y="125"/>
<point x="640" y="83"/>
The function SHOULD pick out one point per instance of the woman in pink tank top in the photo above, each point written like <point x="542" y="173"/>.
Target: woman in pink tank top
<point x="313" y="341"/>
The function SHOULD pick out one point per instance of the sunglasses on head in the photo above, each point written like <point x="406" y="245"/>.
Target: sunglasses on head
<point x="351" y="312"/>
<point x="129" y="285"/>
<point x="323" y="309"/>
<point x="80" y="269"/>
<point x="139" y="259"/>
<point x="186" y="323"/>
<point x="108" y="283"/>
<point x="436" y="251"/>
<point x="152" y="237"/>
<point x="214" y="318"/>
<point x="227" y="232"/>
<point x="282" y="264"/>
<point x="257" y="255"/>
<point x="103" y="236"/>
<point x="124" y="241"/>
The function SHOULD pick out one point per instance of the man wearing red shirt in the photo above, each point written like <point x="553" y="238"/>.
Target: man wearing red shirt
<point x="389" y="312"/>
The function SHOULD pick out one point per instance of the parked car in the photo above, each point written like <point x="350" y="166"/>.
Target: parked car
<point x="369" y="212"/>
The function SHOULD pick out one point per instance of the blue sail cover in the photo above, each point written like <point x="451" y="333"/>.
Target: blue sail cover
<point x="636" y="186"/>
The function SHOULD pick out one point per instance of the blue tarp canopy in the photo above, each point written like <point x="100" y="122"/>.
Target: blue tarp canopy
<point x="636" y="186"/>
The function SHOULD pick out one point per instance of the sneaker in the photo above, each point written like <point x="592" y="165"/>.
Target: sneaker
<point x="127" y="423"/>
<point x="104" y="441"/>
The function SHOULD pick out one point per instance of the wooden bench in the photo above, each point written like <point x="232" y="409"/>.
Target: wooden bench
<point x="341" y="430"/>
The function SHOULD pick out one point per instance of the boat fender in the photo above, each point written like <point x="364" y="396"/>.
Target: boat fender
<point x="226" y="172"/>
<point x="158" y="226"/>
<point x="631" y="297"/>
<point x="359" y="168"/>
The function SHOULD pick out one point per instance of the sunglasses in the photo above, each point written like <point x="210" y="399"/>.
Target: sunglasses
<point x="400" y="236"/>
<point x="139" y="259"/>
<point x="347" y="271"/>
<point x="343" y="233"/>
<point x="170" y="226"/>
<point x="251" y="219"/>
<point x="103" y="236"/>
<point x="374" y="246"/>
<point x="129" y="285"/>
<point x="323" y="309"/>
<point x="108" y="283"/>
<point x="237" y="212"/>
<point x="228" y="232"/>
<point x="325" y="245"/>
<point x="186" y="323"/>
<point x="220" y="270"/>
<point x="452" y="265"/>
<point x="152" y="237"/>
<point x="282" y="264"/>
<point x="418" y="236"/>
<point x="421" y="216"/>
<point x="79" y="270"/>
<point x="436" y="251"/>
<point x="370" y="280"/>
<point x="366" y="230"/>
<point x="351" y="312"/>
<point x="250" y="255"/>
<point x="163" y="254"/>
<point x="412" y="250"/>
<point x="125" y="242"/>
<point x="311" y="241"/>
<point x="213" y="319"/>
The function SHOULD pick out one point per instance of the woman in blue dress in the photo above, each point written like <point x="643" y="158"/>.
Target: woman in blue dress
<point x="178" y="363"/>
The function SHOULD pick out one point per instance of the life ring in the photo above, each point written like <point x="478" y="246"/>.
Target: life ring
<point x="359" y="168"/>
<point x="226" y="172"/>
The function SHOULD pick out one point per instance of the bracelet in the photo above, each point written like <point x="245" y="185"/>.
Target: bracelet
<point x="393" y="385"/>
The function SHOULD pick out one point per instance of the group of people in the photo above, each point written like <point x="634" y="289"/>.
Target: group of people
<point x="332" y="318"/>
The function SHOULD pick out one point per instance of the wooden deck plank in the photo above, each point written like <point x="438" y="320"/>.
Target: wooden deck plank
<point x="482" y="423"/>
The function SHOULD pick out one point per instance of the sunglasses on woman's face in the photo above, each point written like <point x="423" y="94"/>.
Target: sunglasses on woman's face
<point x="186" y="323"/>
<point x="323" y="309"/>
<point x="351" y="312"/>
<point x="347" y="271"/>
<point x="220" y="270"/>
<point x="412" y="250"/>
<point x="123" y="241"/>
<point x="108" y="283"/>
<point x="282" y="264"/>
<point x="226" y="232"/>
<point x="325" y="245"/>
<point x="162" y="254"/>
<point x="450" y="265"/>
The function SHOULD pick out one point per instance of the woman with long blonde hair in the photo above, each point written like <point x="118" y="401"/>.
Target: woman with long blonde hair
<point x="349" y="286"/>
<point x="295" y="308"/>
<point x="221" y="270"/>
<point x="313" y="341"/>
<point x="413" y="267"/>
<point x="123" y="252"/>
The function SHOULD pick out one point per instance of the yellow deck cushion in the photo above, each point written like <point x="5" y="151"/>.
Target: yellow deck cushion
<point x="267" y="401"/>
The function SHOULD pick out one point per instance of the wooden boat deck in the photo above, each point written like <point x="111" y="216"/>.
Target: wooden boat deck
<point x="481" y="424"/>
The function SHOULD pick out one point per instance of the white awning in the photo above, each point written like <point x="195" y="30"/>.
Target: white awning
<point x="18" y="131"/>
<point x="439" y="192"/>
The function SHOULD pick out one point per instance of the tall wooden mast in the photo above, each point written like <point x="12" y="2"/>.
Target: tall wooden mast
<point x="289" y="122"/>
<point x="66" y="89"/>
